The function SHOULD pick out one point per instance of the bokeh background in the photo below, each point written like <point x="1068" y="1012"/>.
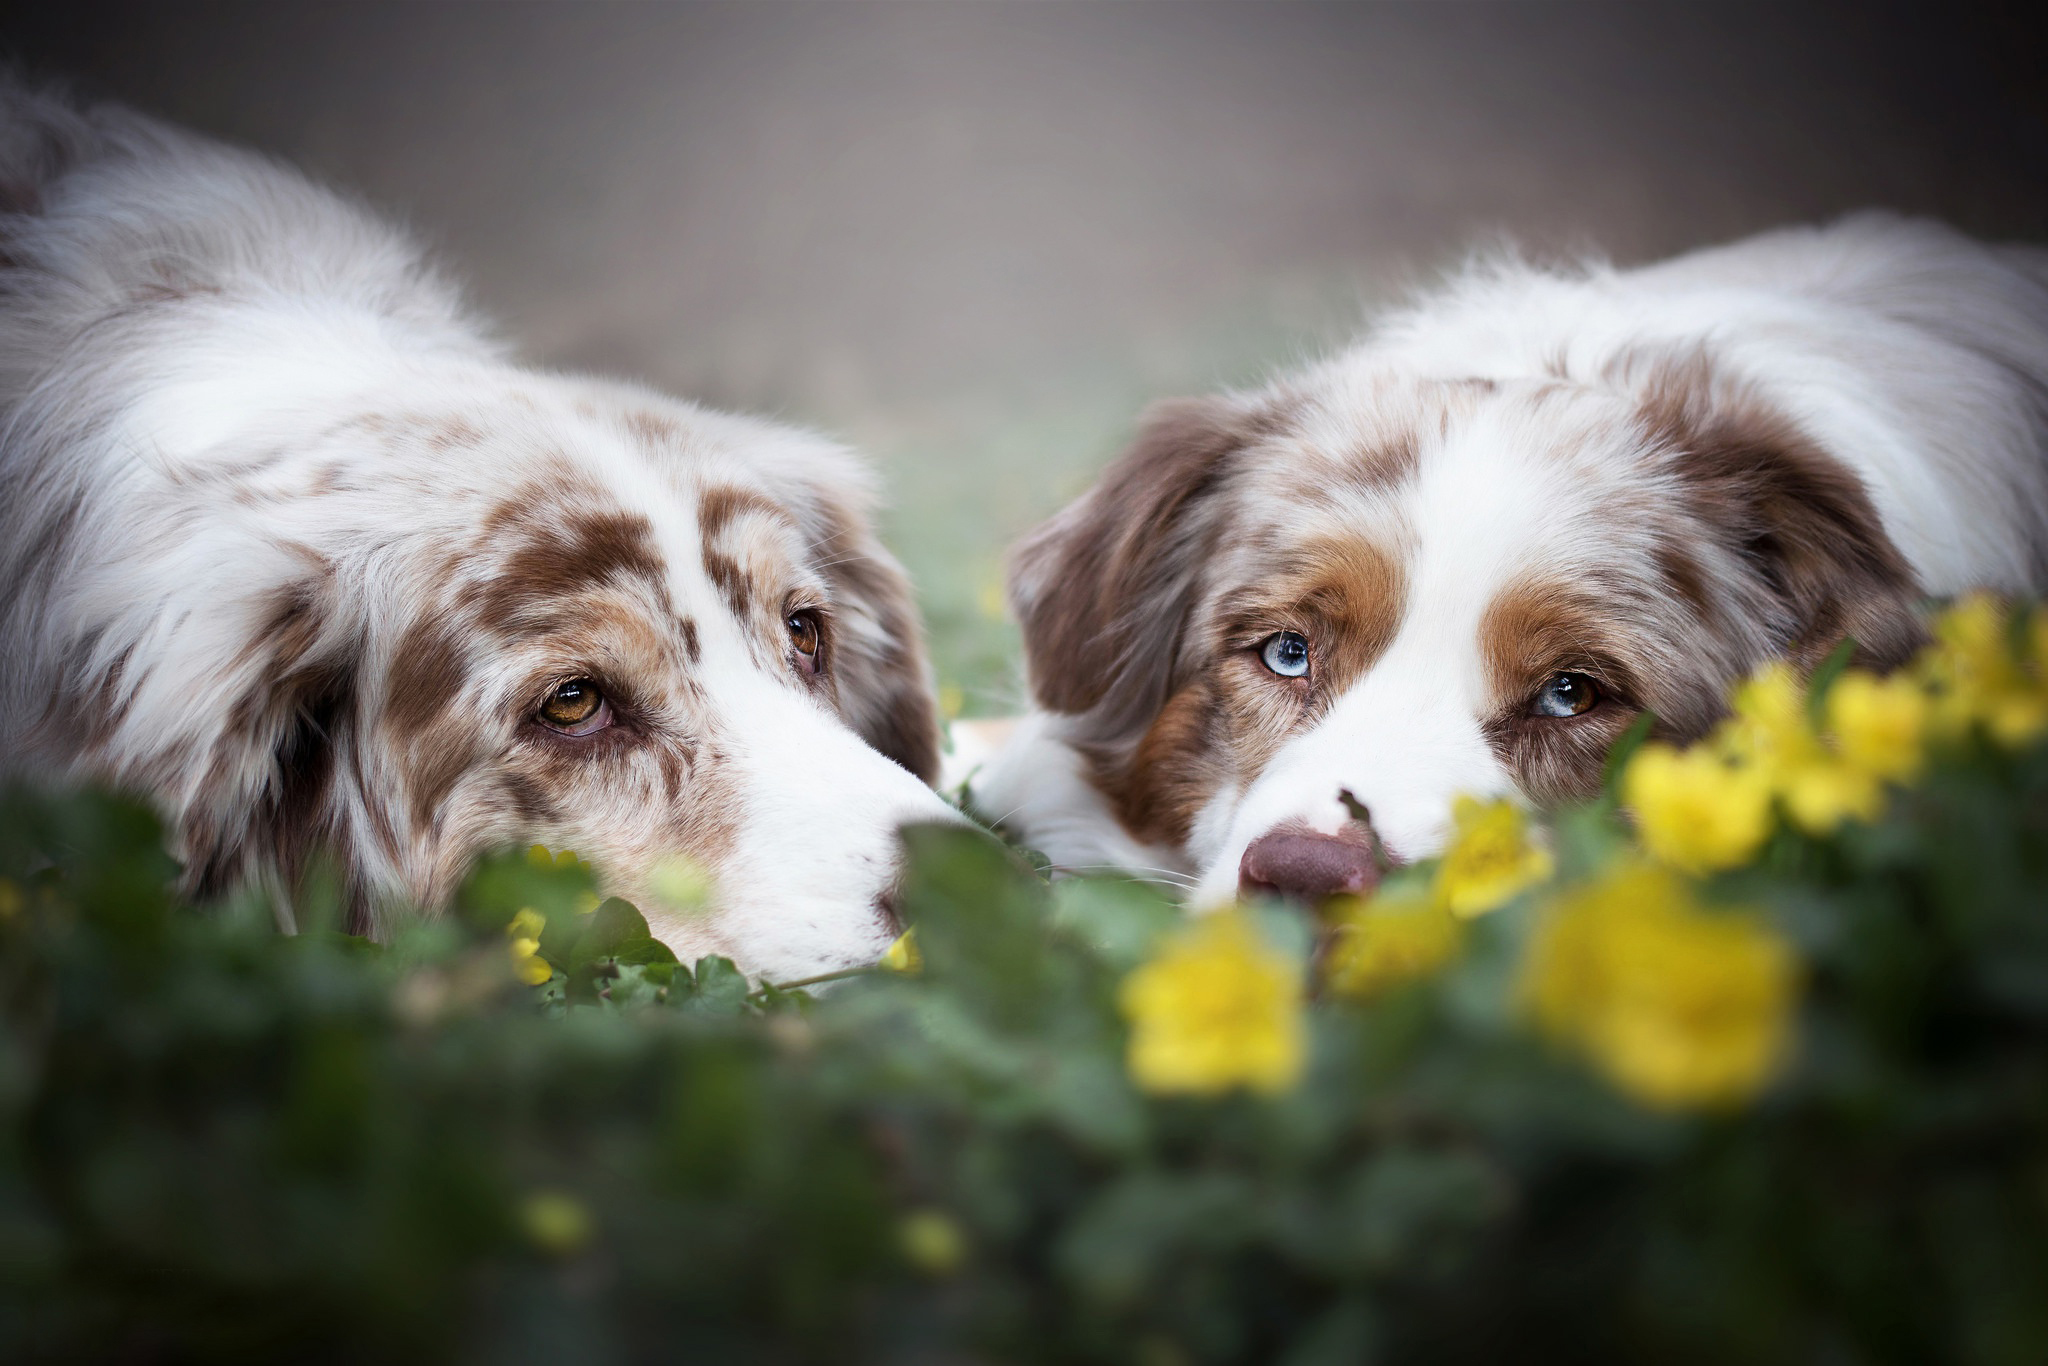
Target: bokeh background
<point x="976" y="238"/>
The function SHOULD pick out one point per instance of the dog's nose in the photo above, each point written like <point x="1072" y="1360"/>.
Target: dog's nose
<point x="1304" y="865"/>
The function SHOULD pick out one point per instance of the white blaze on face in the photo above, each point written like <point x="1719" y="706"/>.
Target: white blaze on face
<point x="803" y="881"/>
<point x="1408" y="736"/>
<point x="815" y="852"/>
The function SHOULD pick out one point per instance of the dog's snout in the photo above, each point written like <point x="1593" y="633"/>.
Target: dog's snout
<point x="1309" y="866"/>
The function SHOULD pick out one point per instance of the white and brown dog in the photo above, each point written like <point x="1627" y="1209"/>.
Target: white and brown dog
<point x="1463" y="555"/>
<point x="290" y="545"/>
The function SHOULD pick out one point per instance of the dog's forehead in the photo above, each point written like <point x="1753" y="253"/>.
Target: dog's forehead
<point x="603" y="532"/>
<point x="591" y="494"/>
<point x="1465" y="481"/>
<point x="1464" y="504"/>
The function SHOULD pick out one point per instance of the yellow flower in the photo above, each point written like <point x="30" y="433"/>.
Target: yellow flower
<point x="1696" y="810"/>
<point x="11" y="900"/>
<point x="994" y="605"/>
<point x="1768" y="746"/>
<point x="1823" y="791"/>
<point x="524" y="932"/>
<point x="1390" y="939"/>
<point x="1878" y="724"/>
<point x="1491" y="858"/>
<point x="1769" y="728"/>
<point x="556" y="1222"/>
<point x="1216" y="1007"/>
<point x="932" y="1242"/>
<point x="1974" y="676"/>
<point x="539" y="857"/>
<point x="1679" y="1006"/>
<point x="902" y="956"/>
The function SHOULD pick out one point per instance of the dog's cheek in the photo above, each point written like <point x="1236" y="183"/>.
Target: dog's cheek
<point x="1557" y="760"/>
<point x="1184" y="756"/>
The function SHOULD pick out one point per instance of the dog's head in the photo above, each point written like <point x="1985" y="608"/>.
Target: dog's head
<point x="1288" y="627"/>
<point x="549" y="611"/>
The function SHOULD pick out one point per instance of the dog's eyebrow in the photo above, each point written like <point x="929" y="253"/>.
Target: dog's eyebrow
<point x="722" y="504"/>
<point x="718" y="507"/>
<point x="551" y="554"/>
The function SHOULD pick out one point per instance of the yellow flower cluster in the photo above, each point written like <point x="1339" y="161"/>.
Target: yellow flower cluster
<point x="1987" y="669"/>
<point x="1398" y="936"/>
<point x="1215" y="1008"/>
<point x="1712" y="806"/>
<point x="1681" y="1007"/>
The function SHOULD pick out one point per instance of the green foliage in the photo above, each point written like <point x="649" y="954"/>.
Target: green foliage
<point x="222" y="1143"/>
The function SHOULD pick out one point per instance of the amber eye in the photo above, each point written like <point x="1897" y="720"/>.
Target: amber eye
<point x="575" y="708"/>
<point x="806" y="635"/>
<point x="1566" y="694"/>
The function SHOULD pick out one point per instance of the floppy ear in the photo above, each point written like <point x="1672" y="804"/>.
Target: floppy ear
<point x="1106" y="588"/>
<point x="878" y="654"/>
<point x="267" y="798"/>
<point x="1797" y="516"/>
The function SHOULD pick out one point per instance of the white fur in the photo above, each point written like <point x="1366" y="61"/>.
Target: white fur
<point x="1912" y="355"/>
<point x="222" y="386"/>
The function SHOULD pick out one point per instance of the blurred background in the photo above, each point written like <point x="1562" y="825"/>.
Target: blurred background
<point x="975" y="239"/>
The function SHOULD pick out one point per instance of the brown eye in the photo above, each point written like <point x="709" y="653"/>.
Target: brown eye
<point x="575" y="708"/>
<point x="1566" y="694"/>
<point x="805" y="635"/>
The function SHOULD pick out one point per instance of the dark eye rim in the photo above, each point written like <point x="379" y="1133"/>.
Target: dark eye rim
<point x="1260" y="647"/>
<point x="1601" y="694"/>
<point x="600" y="717"/>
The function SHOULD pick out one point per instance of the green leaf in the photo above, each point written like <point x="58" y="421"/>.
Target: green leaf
<point x="720" y="988"/>
<point x="616" y="931"/>
<point x="1120" y="919"/>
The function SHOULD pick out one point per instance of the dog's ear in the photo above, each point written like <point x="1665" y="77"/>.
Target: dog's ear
<point x="1797" y="516"/>
<point x="1106" y="588"/>
<point x="265" y="801"/>
<point x="878" y="652"/>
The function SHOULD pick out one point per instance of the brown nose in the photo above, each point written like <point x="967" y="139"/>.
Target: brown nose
<point x="1307" y="866"/>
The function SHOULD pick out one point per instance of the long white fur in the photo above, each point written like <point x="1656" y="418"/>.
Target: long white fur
<point x="1912" y="354"/>
<point x="191" y="337"/>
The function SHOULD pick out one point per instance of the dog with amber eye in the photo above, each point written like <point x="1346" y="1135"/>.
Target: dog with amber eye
<point x="288" y="544"/>
<point x="1288" y="627"/>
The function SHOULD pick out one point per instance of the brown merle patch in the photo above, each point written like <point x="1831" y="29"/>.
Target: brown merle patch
<point x="1105" y="591"/>
<point x="875" y="656"/>
<point x="1534" y="631"/>
<point x="548" y="550"/>
<point x="1779" y="503"/>
<point x="719" y="508"/>
<point x="1345" y="594"/>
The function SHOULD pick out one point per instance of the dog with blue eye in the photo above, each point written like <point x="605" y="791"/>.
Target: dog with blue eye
<point x="1289" y="626"/>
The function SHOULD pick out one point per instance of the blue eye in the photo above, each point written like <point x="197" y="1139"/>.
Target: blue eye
<point x="1285" y="654"/>
<point x="1565" y="694"/>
